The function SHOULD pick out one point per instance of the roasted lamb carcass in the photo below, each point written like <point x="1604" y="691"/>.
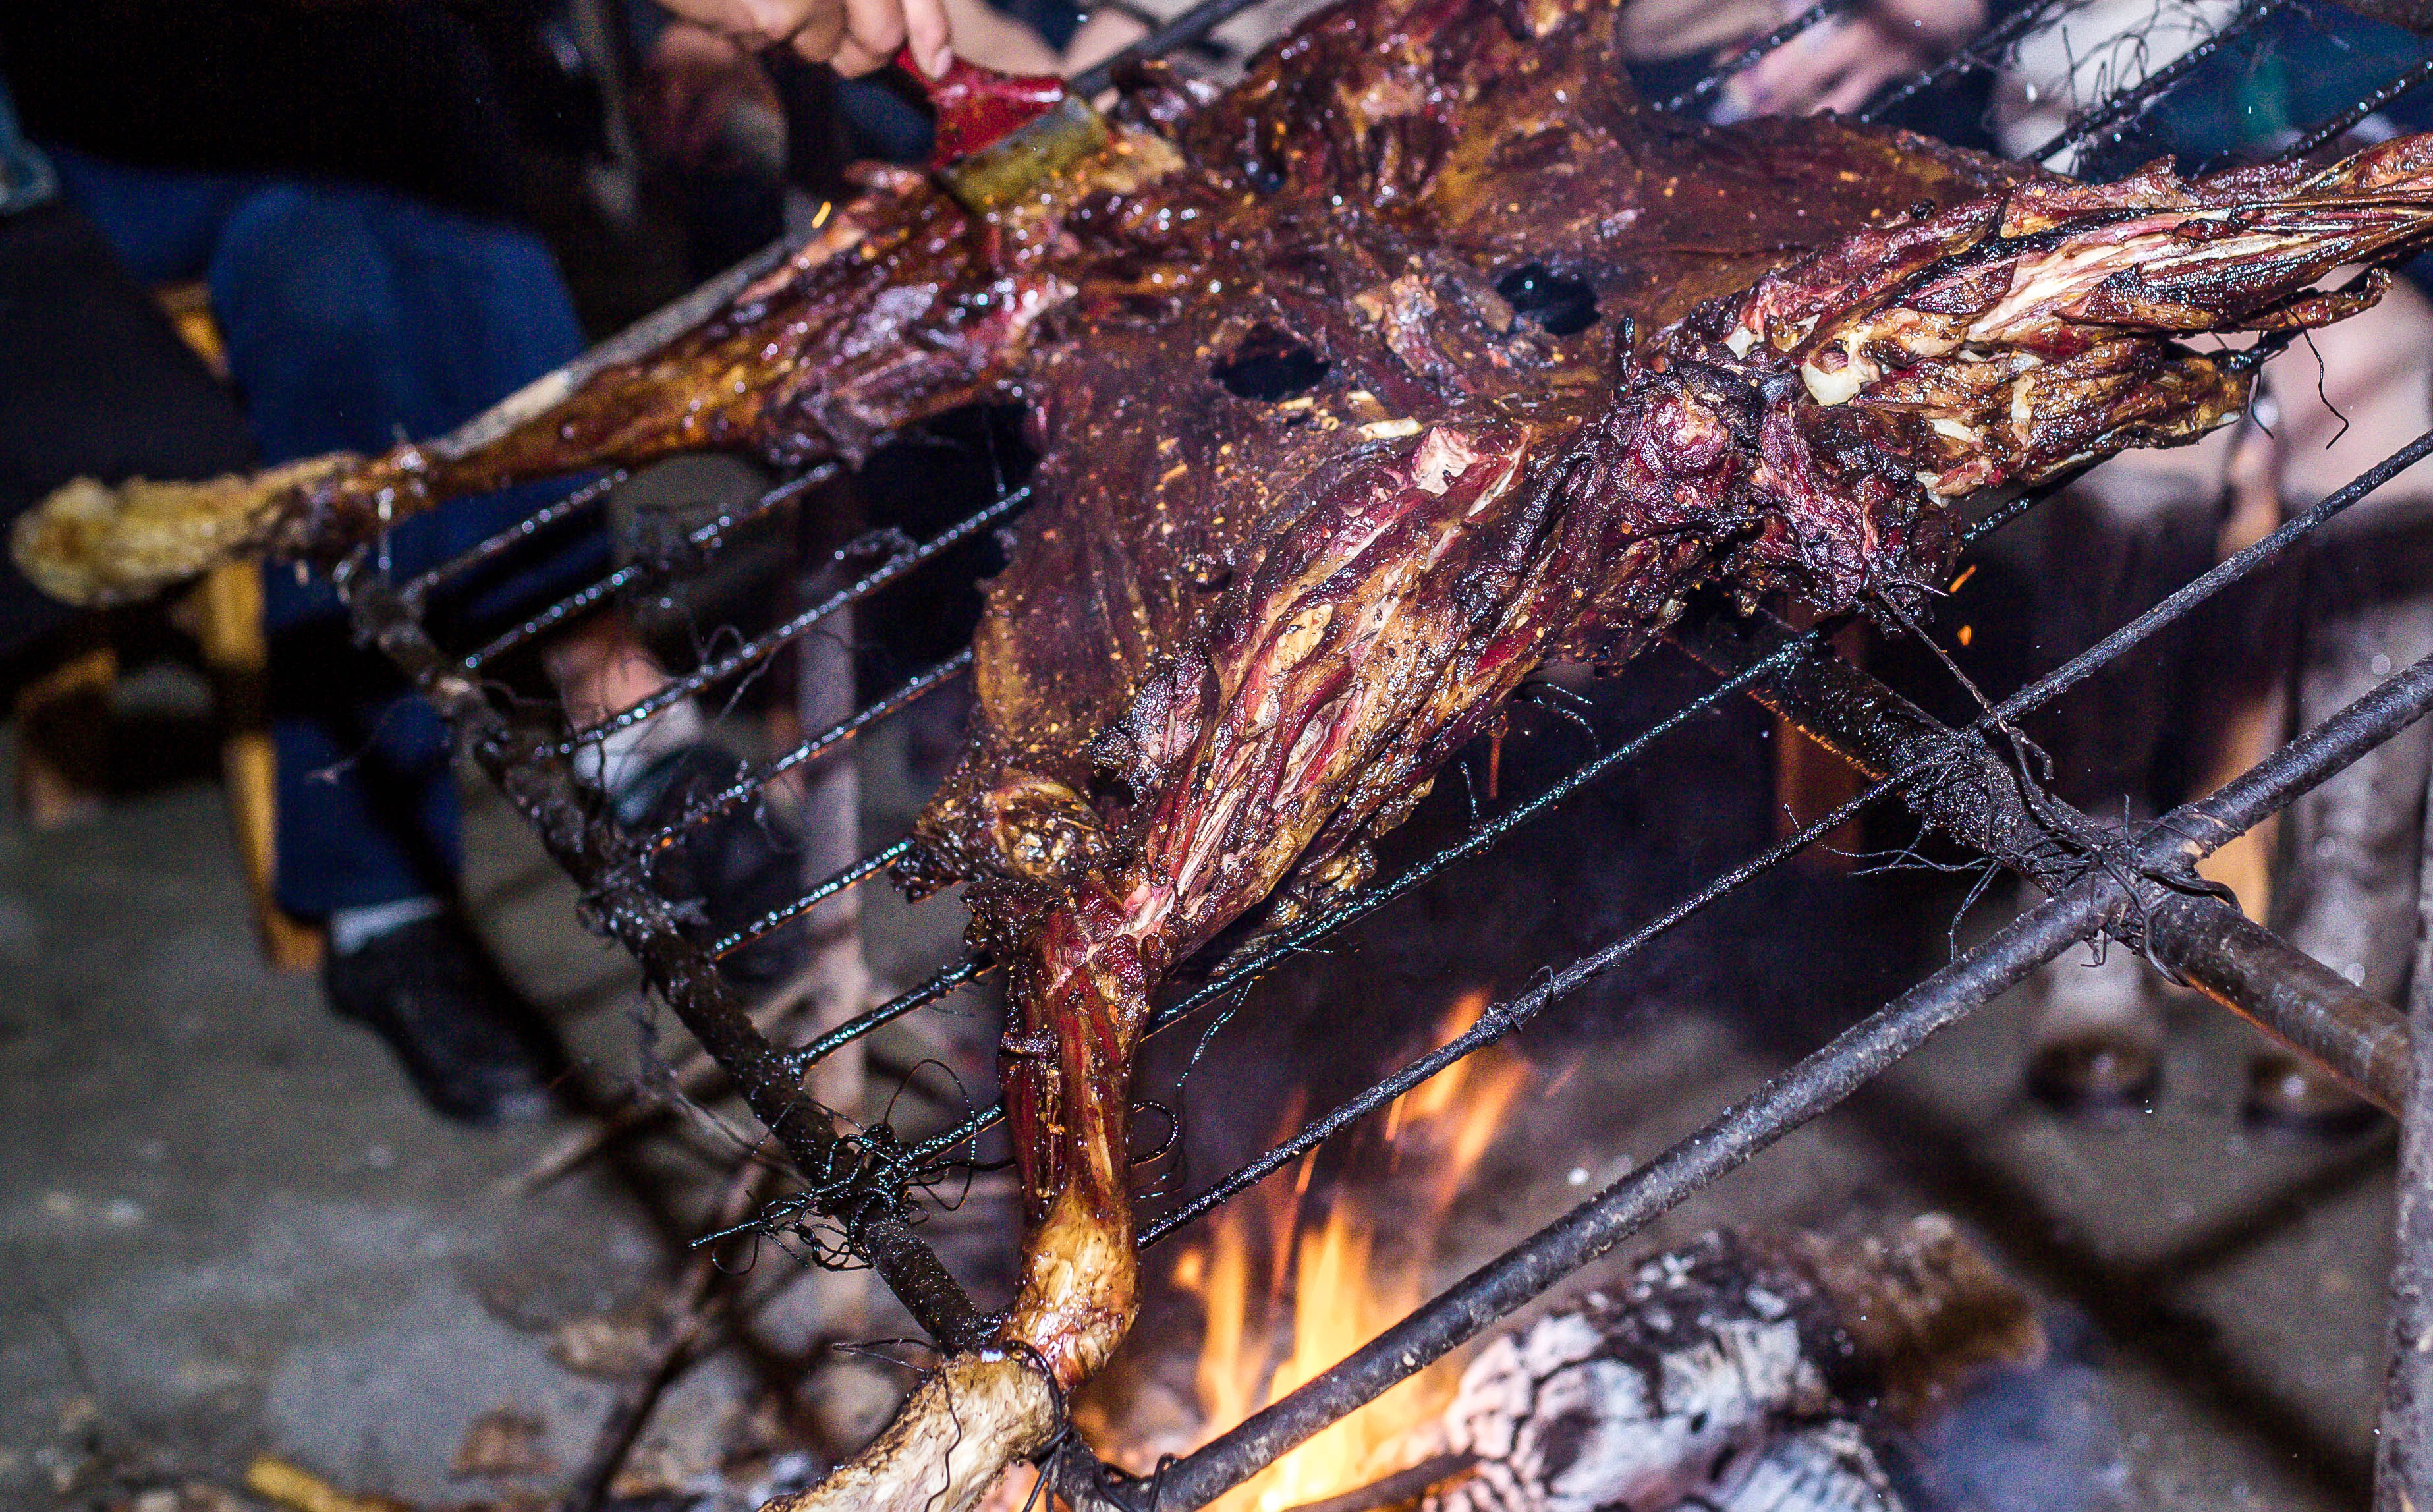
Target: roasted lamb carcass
<point x="1425" y="355"/>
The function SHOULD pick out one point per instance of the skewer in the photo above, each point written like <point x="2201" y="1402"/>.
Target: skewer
<point x="706" y="537"/>
<point x="702" y="810"/>
<point x="761" y="646"/>
<point x="1748" y="58"/>
<point x="2117" y="110"/>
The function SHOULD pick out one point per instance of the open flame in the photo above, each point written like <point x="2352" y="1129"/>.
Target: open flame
<point x="1351" y="1259"/>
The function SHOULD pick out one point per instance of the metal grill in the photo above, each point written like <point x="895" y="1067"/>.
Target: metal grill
<point x="2135" y="884"/>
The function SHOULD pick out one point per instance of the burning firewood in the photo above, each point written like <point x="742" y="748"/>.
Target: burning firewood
<point x="1733" y="1374"/>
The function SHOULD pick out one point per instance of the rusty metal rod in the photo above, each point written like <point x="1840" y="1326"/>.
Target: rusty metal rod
<point x="2402" y="1460"/>
<point x="2120" y="110"/>
<point x="769" y="641"/>
<point x="573" y="503"/>
<point x="2097" y="902"/>
<point x="537" y="782"/>
<point x="1979" y="800"/>
<point x="702" y="810"/>
<point x="705" y="538"/>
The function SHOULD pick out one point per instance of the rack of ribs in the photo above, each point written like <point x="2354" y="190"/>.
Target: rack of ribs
<point x="1424" y="355"/>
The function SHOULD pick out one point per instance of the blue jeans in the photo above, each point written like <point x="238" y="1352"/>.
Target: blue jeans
<point x="355" y="316"/>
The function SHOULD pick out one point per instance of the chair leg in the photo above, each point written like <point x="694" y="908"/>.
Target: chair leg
<point x="63" y="768"/>
<point x="227" y="618"/>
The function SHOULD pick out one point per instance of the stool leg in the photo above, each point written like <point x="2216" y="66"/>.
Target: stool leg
<point x="63" y="740"/>
<point x="228" y="620"/>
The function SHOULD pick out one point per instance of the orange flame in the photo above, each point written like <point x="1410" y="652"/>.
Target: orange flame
<point x="1349" y="1276"/>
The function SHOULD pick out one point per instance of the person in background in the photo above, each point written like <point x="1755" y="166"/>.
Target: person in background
<point x="341" y="179"/>
<point x="2344" y="883"/>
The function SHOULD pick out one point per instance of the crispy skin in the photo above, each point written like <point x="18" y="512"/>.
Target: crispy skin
<point x="1358" y="198"/>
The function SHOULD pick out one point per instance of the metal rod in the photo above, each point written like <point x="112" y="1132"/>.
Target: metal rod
<point x="1716" y="78"/>
<point x="768" y="641"/>
<point x="550" y="514"/>
<point x="1977" y="799"/>
<point x="706" y="537"/>
<point x="2402" y="1460"/>
<point x="1809" y="1089"/>
<point x="1397" y="1489"/>
<point x="703" y="809"/>
<point x="803" y="1056"/>
<point x="853" y="876"/>
<point x="2339" y="126"/>
<point x="1182" y="31"/>
<point x="537" y="781"/>
<point x="2125" y="105"/>
<point x="1982" y="51"/>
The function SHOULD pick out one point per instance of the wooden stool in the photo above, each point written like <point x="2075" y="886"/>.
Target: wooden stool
<point x="63" y="716"/>
<point x="225" y="614"/>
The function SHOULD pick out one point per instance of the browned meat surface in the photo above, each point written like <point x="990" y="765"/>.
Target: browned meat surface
<point x="1423" y="355"/>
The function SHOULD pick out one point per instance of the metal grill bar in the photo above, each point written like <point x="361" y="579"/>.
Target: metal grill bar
<point x="2118" y="110"/>
<point x="1747" y="58"/>
<point x="705" y="538"/>
<point x="1810" y="1088"/>
<point x="2339" y="126"/>
<point x="591" y="493"/>
<point x="859" y="872"/>
<point x="1985" y="51"/>
<point x="803" y="1057"/>
<point x="702" y="810"/>
<point x="2403" y="1444"/>
<point x="762" y="645"/>
<point x="1182" y="31"/>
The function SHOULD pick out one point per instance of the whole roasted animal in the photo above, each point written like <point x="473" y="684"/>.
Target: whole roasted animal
<point x="1424" y="355"/>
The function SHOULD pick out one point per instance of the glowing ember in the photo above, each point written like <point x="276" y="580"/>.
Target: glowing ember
<point x="1361" y="1259"/>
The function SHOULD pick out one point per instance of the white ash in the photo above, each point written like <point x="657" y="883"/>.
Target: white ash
<point x="1708" y="1380"/>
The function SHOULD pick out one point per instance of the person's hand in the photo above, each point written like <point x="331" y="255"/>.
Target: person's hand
<point x="691" y="88"/>
<point x="1840" y="65"/>
<point x="854" y="37"/>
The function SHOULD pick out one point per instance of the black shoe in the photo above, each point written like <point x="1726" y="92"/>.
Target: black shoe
<point x="732" y="870"/>
<point x="2095" y="1072"/>
<point x="472" y="1046"/>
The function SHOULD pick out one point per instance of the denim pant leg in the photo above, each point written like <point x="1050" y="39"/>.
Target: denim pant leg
<point x="353" y="316"/>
